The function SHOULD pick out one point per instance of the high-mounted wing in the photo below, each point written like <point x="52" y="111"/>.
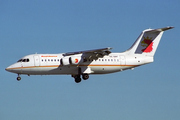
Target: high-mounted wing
<point x="96" y="52"/>
<point x="74" y="58"/>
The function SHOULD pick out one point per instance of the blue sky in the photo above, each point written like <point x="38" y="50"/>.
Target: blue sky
<point x="149" y="92"/>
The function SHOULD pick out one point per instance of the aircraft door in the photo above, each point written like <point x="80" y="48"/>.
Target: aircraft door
<point x="122" y="60"/>
<point x="36" y="60"/>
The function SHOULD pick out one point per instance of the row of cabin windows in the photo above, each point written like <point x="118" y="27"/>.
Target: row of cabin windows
<point x="102" y="59"/>
<point x="112" y="60"/>
<point x="57" y="60"/>
<point x="48" y="60"/>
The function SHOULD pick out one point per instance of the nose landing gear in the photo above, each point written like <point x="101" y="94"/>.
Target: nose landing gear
<point x="18" y="78"/>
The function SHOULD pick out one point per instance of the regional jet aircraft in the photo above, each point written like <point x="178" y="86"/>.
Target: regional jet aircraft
<point x="97" y="61"/>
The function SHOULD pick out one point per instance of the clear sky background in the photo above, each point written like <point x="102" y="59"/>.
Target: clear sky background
<point x="150" y="92"/>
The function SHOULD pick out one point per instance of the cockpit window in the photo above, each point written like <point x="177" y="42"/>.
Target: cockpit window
<point x="23" y="60"/>
<point x="19" y="60"/>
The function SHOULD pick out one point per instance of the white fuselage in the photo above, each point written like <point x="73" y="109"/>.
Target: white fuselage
<point x="46" y="64"/>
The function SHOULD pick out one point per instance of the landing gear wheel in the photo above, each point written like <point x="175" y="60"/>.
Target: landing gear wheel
<point x="78" y="80"/>
<point x="85" y="76"/>
<point x="18" y="78"/>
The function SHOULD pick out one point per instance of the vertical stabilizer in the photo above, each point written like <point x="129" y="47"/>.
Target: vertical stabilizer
<point x="147" y="42"/>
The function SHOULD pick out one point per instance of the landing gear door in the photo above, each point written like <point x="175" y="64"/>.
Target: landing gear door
<point x="122" y="60"/>
<point x="36" y="60"/>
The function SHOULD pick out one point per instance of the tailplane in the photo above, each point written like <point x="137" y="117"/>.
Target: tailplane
<point x="147" y="42"/>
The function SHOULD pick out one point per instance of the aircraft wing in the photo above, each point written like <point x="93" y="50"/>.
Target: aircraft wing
<point x="94" y="52"/>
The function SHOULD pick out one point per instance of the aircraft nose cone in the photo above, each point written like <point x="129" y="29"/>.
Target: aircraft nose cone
<point x="8" y="69"/>
<point x="14" y="68"/>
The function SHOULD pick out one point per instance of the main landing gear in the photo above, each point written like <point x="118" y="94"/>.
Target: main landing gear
<point x="18" y="78"/>
<point x="77" y="78"/>
<point x="85" y="76"/>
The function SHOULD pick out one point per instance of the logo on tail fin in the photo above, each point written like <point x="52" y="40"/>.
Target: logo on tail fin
<point x="147" y="44"/>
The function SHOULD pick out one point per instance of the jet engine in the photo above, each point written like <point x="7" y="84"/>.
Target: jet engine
<point x="73" y="60"/>
<point x="65" y="61"/>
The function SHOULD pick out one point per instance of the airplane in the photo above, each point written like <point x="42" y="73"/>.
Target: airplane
<point x="97" y="61"/>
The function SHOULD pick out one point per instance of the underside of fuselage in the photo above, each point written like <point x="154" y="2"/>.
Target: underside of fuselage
<point x="69" y="70"/>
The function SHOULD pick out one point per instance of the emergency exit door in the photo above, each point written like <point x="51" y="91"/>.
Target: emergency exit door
<point x="36" y="60"/>
<point x="122" y="60"/>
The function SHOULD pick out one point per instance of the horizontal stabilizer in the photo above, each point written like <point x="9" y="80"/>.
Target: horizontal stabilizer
<point x="160" y="29"/>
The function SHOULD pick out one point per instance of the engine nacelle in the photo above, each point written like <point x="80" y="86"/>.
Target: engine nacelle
<point x="73" y="60"/>
<point x="65" y="61"/>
